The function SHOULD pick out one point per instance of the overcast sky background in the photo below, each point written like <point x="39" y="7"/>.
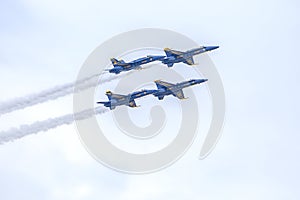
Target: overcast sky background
<point x="44" y="43"/>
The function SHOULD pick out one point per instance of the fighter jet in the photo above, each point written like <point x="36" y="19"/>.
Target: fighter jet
<point x="174" y="56"/>
<point x="165" y="88"/>
<point x="121" y="65"/>
<point x="128" y="100"/>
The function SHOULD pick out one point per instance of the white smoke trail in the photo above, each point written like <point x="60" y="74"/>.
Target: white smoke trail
<point x="47" y="95"/>
<point x="39" y="126"/>
<point x="52" y="93"/>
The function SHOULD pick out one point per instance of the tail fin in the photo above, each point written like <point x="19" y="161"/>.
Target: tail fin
<point x="114" y="61"/>
<point x="108" y="94"/>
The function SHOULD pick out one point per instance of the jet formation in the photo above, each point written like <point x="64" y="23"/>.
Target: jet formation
<point x="171" y="57"/>
<point x="163" y="88"/>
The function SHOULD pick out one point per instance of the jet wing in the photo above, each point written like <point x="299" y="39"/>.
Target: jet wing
<point x="189" y="61"/>
<point x="115" y="61"/>
<point x="179" y="94"/>
<point x="119" y="63"/>
<point x="162" y="84"/>
<point x="170" y="52"/>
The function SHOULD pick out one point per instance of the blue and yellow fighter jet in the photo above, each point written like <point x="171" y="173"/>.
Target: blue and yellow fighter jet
<point x="128" y="100"/>
<point x="121" y="65"/>
<point x="174" y="56"/>
<point x="165" y="88"/>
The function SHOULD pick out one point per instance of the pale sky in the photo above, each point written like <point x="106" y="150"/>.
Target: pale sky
<point x="44" y="43"/>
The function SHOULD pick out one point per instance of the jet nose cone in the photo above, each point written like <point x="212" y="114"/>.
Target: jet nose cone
<point x="210" y="48"/>
<point x="201" y="80"/>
